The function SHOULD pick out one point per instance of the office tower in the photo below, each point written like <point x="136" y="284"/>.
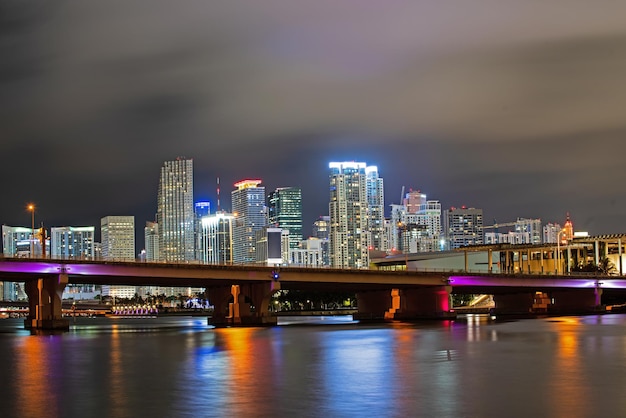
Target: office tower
<point x="70" y="242"/>
<point x="463" y="226"/>
<point x="118" y="238"/>
<point x="285" y="212"/>
<point x="551" y="233"/>
<point x="217" y="238"/>
<point x="321" y="227"/>
<point x="151" y="240"/>
<point x="348" y="215"/>
<point x="375" y="209"/>
<point x="248" y="203"/>
<point x="175" y="211"/>
<point x="312" y="252"/>
<point x="118" y="244"/>
<point x="201" y="209"/>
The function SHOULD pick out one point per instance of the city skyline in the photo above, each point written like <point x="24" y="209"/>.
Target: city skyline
<point x="517" y="111"/>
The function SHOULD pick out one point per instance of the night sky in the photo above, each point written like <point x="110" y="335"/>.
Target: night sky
<point x="515" y="107"/>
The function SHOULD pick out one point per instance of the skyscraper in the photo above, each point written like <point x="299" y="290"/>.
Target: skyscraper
<point x="217" y="233"/>
<point x="151" y="239"/>
<point x="375" y="209"/>
<point x="248" y="203"/>
<point x="285" y="212"/>
<point x="348" y="210"/>
<point x="175" y="211"/>
<point x="118" y="238"/>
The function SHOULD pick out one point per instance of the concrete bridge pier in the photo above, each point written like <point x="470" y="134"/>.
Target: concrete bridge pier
<point x="44" y="302"/>
<point x="239" y="312"/>
<point x="375" y="304"/>
<point x="423" y="303"/>
<point x="575" y="301"/>
<point x="405" y="304"/>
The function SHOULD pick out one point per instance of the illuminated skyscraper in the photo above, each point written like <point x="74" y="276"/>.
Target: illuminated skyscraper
<point x="151" y="238"/>
<point x="175" y="211"/>
<point x="375" y="209"/>
<point x="217" y="238"/>
<point x="285" y="212"/>
<point x="348" y="210"/>
<point x="118" y="238"/>
<point x="248" y="203"/>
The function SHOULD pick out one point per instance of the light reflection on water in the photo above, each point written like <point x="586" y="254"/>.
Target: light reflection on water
<point x="322" y="367"/>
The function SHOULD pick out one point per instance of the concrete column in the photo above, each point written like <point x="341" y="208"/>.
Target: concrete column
<point x="575" y="301"/>
<point x="44" y="301"/>
<point x="260" y="294"/>
<point x="423" y="303"/>
<point x="490" y="261"/>
<point x="219" y="297"/>
<point x="619" y="252"/>
<point x="374" y="304"/>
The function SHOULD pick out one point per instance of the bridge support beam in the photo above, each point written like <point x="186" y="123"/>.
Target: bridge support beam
<point x="375" y="304"/>
<point x="44" y="302"/>
<point x="239" y="312"/>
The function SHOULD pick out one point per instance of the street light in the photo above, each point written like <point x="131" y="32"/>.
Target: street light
<point x="558" y="250"/>
<point x="31" y="208"/>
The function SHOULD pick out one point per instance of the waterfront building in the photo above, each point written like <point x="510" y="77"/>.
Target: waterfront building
<point x="285" y="212"/>
<point x="72" y="242"/>
<point x="531" y="230"/>
<point x="463" y="226"/>
<point x="217" y="238"/>
<point x="248" y="204"/>
<point x="151" y="240"/>
<point x="348" y="208"/>
<point x="175" y="211"/>
<point x="312" y="252"/>
<point x="118" y="238"/>
<point x="201" y="209"/>
<point x="375" y="209"/>
<point x="118" y="244"/>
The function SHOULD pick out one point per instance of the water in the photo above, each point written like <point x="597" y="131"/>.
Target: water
<point x="327" y="367"/>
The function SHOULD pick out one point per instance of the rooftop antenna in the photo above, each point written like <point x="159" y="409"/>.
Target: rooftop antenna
<point x="218" y="194"/>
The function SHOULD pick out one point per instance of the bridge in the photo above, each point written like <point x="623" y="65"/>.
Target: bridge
<point x="241" y="293"/>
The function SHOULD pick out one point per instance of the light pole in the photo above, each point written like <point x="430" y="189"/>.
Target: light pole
<point x="558" y="250"/>
<point x="31" y="208"/>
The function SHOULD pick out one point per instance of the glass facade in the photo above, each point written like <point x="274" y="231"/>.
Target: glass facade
<point x="285" y="212"/>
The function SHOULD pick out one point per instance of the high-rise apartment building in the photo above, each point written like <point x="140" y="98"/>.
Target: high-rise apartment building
<point x="285" y="212"/>
<point x="248" y="204"/>
<point x="69" y="242"/>
<point x="175" y="211"/>
<point x="349" y="236"/>
<point x="375" y="209"/>
<point x="463" y="226"/>
<point x="118" y="238"/>
<point x="321" y="227"/>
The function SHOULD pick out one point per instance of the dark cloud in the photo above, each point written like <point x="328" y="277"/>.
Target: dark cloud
<point x="510" y="106"/>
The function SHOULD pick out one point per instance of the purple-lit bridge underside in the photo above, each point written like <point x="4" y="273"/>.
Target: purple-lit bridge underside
<point x="380" y="294"/>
